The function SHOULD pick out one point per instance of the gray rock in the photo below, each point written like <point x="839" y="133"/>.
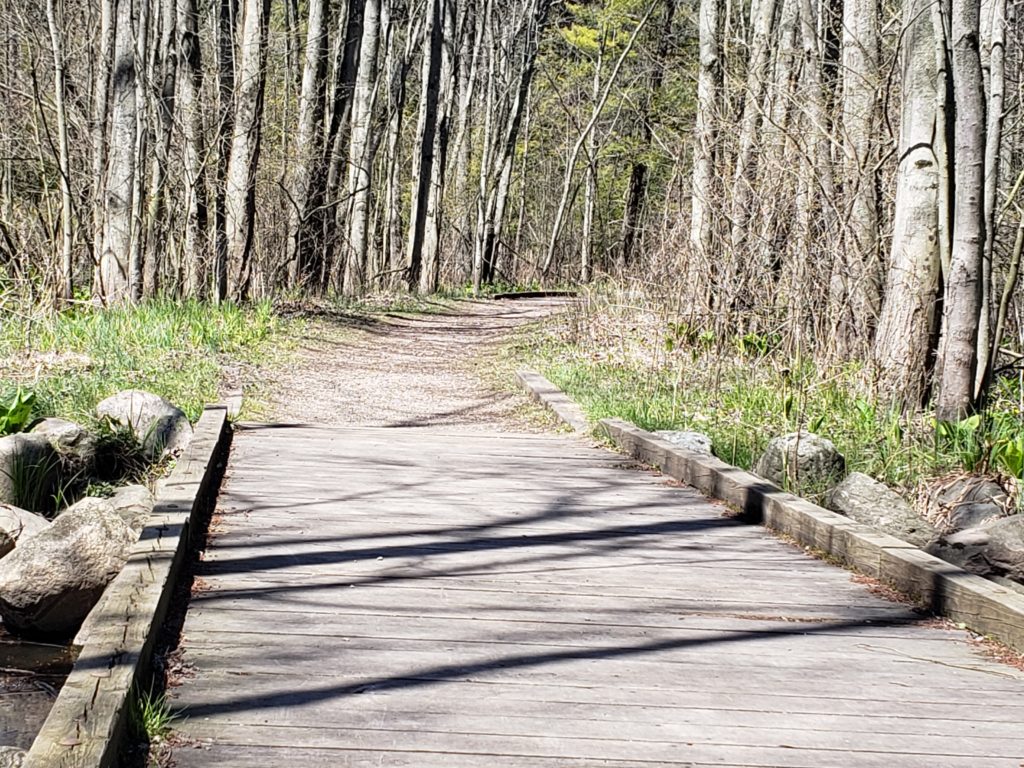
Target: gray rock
<point x="967" y="502"/>
<point x="994" y="548"/>
<point x="11" y="757"/>
<point x="134" y="505"/>
<point x="812" y="460"/>
<point x="864" y="499"/>
<point x="51" y="581"/>
<point x="17" y="523"/>
<point x="694" y="442"/>
<point x="29" y="471"/>
<point x="75" y="444"/>
<point x="160" y="426"/>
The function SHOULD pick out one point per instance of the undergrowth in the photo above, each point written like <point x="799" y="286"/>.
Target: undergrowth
<point x="72" y="359"/>
<point x="643" y="365"/>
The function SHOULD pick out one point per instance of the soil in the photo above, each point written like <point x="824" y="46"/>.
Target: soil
<point x="424" y="370"/>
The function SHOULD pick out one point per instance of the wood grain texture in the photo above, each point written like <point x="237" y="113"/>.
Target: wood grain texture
<point x="411" y="597"/>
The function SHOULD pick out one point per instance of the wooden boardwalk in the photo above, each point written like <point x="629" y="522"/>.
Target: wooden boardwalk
<point x="431" y="599"/>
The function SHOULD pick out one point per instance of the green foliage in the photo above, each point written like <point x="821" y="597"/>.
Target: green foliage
<point x="16" y="411"/>
<point x="32" y="483"/>
<point x="989" y="441"/>
<point x="743" y="399"/>
<point x="150" y="716"/>
<point x="77" y="357"/>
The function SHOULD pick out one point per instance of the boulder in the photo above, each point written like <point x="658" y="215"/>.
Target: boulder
<point x="994" y="548"/>
<point x="811" y="460"/>
<point x="864" y="499"/>
<point x="11" y="757"/>
<point x="966" y="502"/>
<point x="17" y="523"/>
<point x="694" y="442"/>
<point x="161" y="427"/>
<point x="29" y="471"/>
<point x="134" y="505"/>
<point x="75" y="444"/>
<point x="51" y="580"/>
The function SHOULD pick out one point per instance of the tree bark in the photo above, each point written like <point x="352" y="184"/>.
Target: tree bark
<point x="165" y="70"/>
<point x="426" y="129"/>
<point x="227" y="16"/>
<point x="189" y="84"/>
<point x="903" y="340"/>
<point x="994" y="62"/>
<point x="98" y="128"/>
<point x="962" y="305"/>
<point x="703" y="187"/>
<point x="361" y="153"/>
<point x="114" y="285"/>
<point x="431" y="271"/>
<point x="240" y="184"/>
<point x="66" y="289"/>
<point x="308" y="142"/>
<point x="855" y="301"/>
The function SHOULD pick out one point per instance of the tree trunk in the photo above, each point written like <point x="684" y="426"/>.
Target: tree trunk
<point x="426" y="129"/>
<point x="98" y="129"/>
<point x="189" y="83"/>
<point x="903" y="340"/>
<point x="431" y="271"/>
<point x="309" y="135"/>
<point x="166" y="68"/>
<point x="855" y="304"/>
<point x="227" y="15"/>
<point x="56" y="43"/>
<point x="114" y="285"/>
<point x="962" y="305"/>
<point x="336" y="143"/>
<point x="762" y="23"/>
<point x="704" y="183"/>
<point x="240" y="184"/>
<point x="994" y="61"/>
<point x="360" y="151"/>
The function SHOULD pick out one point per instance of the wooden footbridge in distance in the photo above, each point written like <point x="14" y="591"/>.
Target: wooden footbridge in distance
<point x="437" y="598"/>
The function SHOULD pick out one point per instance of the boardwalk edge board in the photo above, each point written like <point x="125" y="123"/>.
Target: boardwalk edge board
<point x="546" y="393"/>
<point x="90" y="715"/>
<point x="945" y="589"/>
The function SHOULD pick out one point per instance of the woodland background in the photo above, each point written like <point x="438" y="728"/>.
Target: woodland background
<point x="836" y="181"/>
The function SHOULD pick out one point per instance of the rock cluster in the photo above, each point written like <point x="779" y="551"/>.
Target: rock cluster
<point x="966" y="523"/>
<point x="53" y="573"/>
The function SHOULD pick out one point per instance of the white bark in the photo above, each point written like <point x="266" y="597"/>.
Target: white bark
<point x="119" y="202"/>
<point x="703" y="183"/>
<point x="962" y="305"/>
<point x="240" y="184"/>
<point x="57" y="46"/>
<point x="360" y="151"/>
<point x="906" y="323"/>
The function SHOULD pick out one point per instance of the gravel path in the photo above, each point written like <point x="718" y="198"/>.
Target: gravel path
<point x="409" y="371"/>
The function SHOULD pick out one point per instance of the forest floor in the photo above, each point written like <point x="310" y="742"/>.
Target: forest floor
<point x="442" y="368"/>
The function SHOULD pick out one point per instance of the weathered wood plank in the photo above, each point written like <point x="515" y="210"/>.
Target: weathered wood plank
<point x="427" y="599"/>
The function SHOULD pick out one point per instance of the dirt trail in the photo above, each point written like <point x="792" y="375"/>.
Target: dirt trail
<point x="405" y="371"/>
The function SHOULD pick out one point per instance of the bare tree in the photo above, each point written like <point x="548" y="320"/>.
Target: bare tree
<point x="240" y="181"/>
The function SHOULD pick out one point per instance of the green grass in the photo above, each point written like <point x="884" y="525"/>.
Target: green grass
<point x="151" y="717"/>
<point x="743" y="397"/>
<point x="71" y="360"/>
